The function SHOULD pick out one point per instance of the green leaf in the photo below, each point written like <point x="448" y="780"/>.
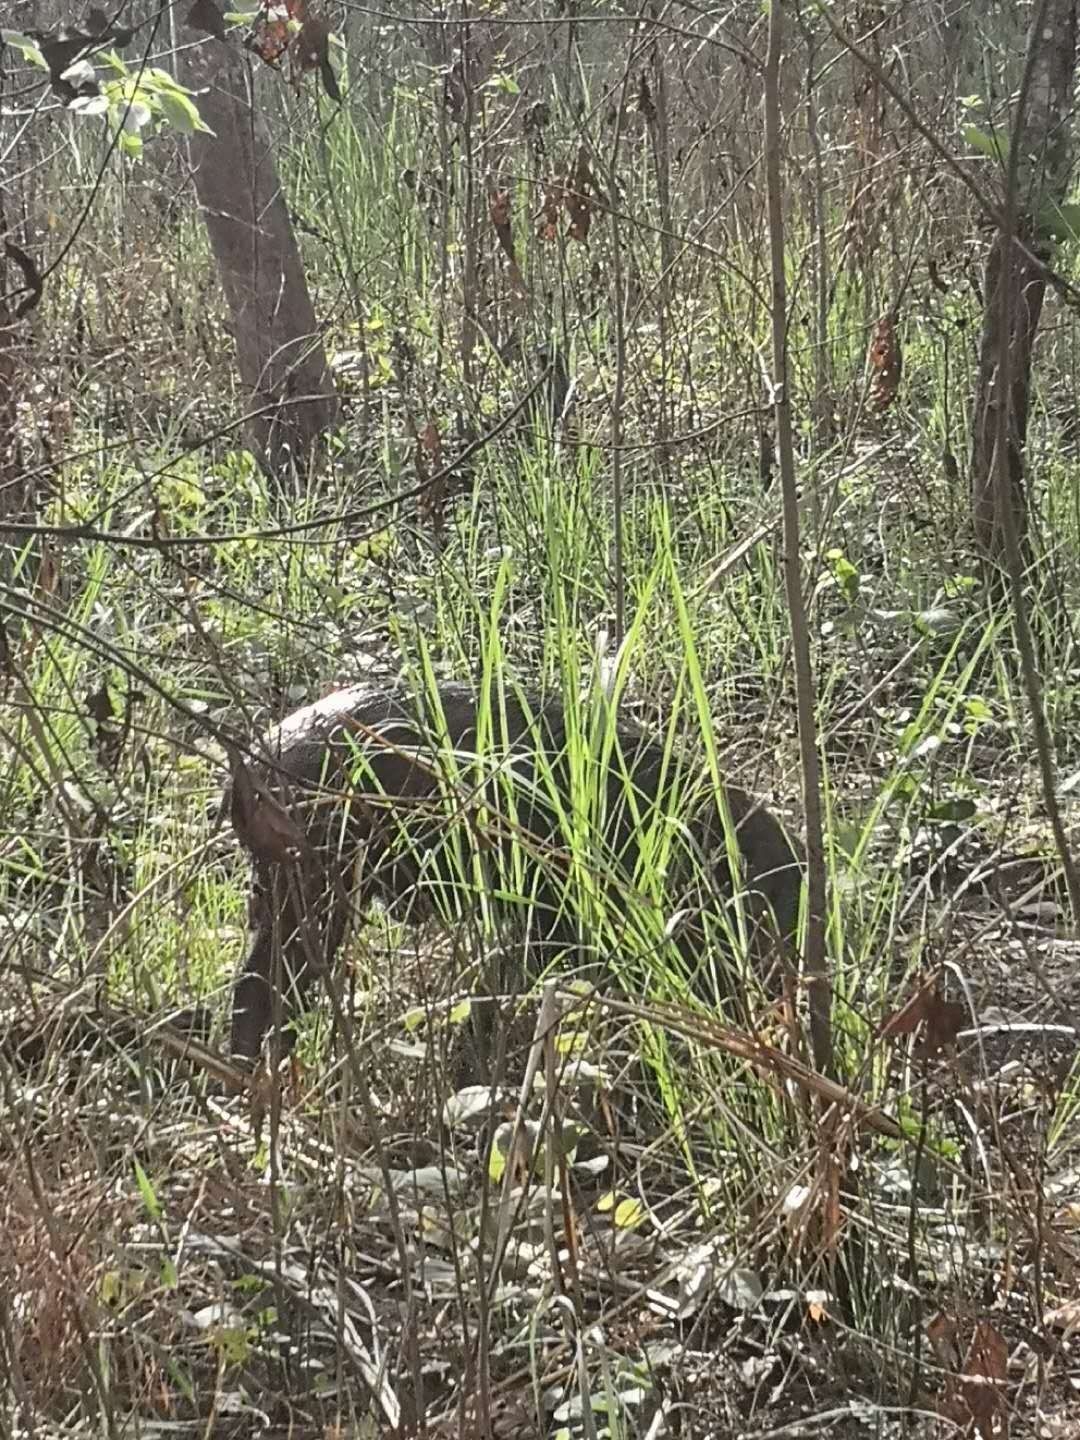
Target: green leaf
<point x="496" y="1164"/>
<point x="181" y="1378"/>
<point x="157" y="79"/>
<point x="993" y="146"/>
<point x="845" y="575"/>
<point x="26" y="47"/>
<point x="1059" y="222"/>
<point x="629" y="1214"/>
<point x="232" y="1343"/>
<point x="110" y="1288"/>
<point x="906" y="787"/>
<point x="146" y="1190"/>
<point x="181" y="113"/>
<point x="846" y="836"/>
<point x="952" y="811"/>
<point x="528" y="1147"/>
<point x="375" y="547"/>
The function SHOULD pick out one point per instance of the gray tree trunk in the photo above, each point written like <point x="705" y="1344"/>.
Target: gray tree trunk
<point x="290" y="392"/>
<point x="1040" y="162"/>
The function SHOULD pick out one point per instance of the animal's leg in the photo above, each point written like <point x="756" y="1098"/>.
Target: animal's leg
<point x="298" y="919"/>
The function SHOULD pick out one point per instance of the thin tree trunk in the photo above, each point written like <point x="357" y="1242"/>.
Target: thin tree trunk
<point x="814" y="958"/>
<point x="1003" y="394"/>
<point x="1053" y="26"/>
<point x="290" y="392"/>
<point x="992" y="485"/>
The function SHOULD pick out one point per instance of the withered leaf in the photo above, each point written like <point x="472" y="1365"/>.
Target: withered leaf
<point x="311" y="51"/>
<point x="941" y="1020"/>
<point x="431" y="502"/>
<point x="262" y="823"/>
<point x="985" y="1372"/>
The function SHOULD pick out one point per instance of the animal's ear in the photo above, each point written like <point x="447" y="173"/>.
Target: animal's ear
<point x="262" y="824"/>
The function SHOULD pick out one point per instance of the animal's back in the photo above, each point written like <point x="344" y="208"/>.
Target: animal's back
<point x="387" y="776"/>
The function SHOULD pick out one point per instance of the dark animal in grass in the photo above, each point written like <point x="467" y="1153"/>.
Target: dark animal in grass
<point x="424" y="802"/>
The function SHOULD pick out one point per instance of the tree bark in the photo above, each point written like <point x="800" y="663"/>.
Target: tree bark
<point x="290" y="392"/>
<point x="1039" y="169"/>
<point x="995" y="485"/>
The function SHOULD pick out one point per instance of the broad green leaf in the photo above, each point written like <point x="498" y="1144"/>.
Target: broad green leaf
<point x="179" y="112"/>
<point x="233" y="1344"/>
<point x="997" y="148"/>
<point x="1059" y="222"/>
<point x="629" y="1214"/>
<point x="460" y="1012"/>
<point x="952" y="811"/>
<point x="26" y="47"/>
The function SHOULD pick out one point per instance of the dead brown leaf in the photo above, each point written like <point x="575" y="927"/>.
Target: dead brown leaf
<point x="272" y="31"/>
<point x="974" y="1388"/>
<point x="499" y="210"/>
<point x="941" y="1020"/>
<point x="982" y="1387"/>
<point x="260" y="820"/>
<point x="311" y="51"/>
<point x="431" y="502"/>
